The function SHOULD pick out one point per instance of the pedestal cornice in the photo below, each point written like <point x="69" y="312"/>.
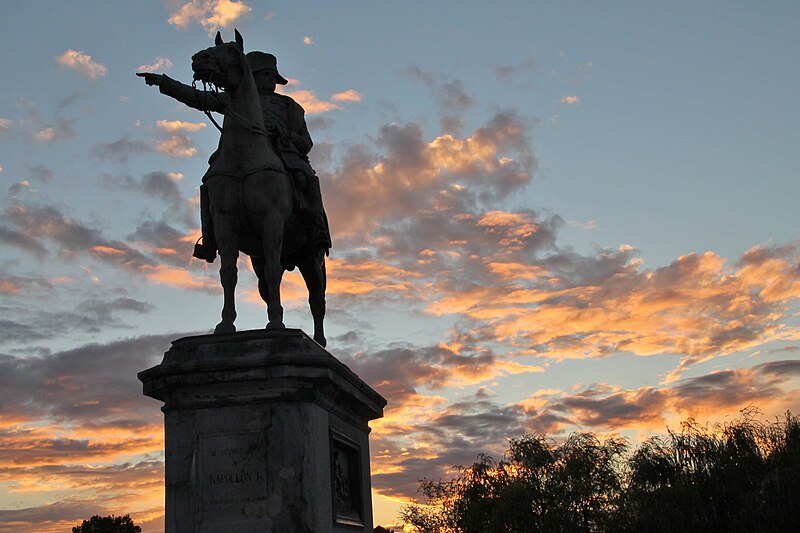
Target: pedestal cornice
<point x="285" y="365"/>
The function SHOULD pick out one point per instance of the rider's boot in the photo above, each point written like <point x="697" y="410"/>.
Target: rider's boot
<point x="320" y="233"/>
<point x="206" y="246"/>
<point x="299" y="192"/>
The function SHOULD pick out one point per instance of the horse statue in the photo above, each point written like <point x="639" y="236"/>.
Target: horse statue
<point x="250" y="191"/>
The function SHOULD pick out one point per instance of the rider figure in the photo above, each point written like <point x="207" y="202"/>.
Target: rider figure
<point x="285" y="122"/>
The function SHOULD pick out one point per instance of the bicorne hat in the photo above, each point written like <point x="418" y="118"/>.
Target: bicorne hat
<point x="263" y="61"/>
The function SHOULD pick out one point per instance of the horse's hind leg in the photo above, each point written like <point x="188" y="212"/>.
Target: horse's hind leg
<point x="258" y="267"/>
<point x="313" y="271"/>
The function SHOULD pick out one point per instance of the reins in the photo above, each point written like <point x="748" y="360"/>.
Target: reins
<point x="205" y="110"/>
<point x="253" y="128"/>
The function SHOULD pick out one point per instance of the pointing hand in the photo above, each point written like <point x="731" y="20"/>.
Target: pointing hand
<point x="151" y="79"/>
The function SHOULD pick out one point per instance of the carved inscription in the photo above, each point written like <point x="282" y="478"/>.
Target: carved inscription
<point x="232" y="476"/>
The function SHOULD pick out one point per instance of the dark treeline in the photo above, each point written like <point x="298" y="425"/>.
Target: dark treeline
<point x="107" y="524"/>
<point x="741" y="476"/>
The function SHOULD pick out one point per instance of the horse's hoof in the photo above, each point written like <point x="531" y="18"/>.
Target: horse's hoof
<point x="223" y="328"/>
<point x="321" y="340"/>
<point x="274" y="326"/>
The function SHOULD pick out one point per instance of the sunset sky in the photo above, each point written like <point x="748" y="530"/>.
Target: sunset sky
<point x="547" y="217"/>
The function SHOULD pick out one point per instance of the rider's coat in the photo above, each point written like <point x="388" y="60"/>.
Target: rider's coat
<point x="279" y="109"/>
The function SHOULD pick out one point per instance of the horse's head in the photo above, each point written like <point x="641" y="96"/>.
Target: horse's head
<point x="223" y="64"/>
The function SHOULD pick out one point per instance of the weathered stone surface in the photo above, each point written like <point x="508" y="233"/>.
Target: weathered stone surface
<point x="264" y="431"/>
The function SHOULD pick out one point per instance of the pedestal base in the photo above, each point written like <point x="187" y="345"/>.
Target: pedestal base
<point x="264" y="431"/>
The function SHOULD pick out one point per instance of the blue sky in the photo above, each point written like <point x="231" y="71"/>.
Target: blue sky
<point x="546" y="217"/>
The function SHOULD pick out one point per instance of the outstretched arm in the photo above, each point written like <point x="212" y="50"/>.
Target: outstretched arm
<point x="200" y="100"/>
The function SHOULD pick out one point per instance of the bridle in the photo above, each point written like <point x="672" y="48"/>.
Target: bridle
<point x="210" y="86"/>
<point x="213" y="89"/>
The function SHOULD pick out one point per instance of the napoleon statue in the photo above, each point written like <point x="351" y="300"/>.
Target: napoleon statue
<point x="285" y="121"/>
<point x="260" y="195"/>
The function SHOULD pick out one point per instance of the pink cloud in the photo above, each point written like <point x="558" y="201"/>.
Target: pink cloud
<point x="82" y="63"/>
<point x="311" y="104"/>
<point x="314" y="105"/>
<point x="350" y="95"/>
<point x="159" y="64"/>
<point x="178" y="146"/>
<point x="173" y="126"/>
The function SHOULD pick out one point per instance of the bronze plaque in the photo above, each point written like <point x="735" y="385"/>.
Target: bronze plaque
<point x="346" y="481"/>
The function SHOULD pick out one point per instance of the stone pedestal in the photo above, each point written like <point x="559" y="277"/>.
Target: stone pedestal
<point x="264" y="432"/>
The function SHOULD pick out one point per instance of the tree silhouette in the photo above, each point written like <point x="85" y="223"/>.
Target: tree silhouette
<point x="538" y="486"/>
<point x="741" y="476"/>
<point x="107" y="524"/>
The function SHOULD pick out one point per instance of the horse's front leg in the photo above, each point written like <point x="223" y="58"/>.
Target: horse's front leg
<point x="313" y="271"/>
<point x="228" y="275"/>
<point x="228" y="272"/>
<point x="224" y="194"/>
<point x="273" y="271"/>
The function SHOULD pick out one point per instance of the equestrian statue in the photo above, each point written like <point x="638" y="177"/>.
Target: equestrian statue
<point x="260" y="195"/>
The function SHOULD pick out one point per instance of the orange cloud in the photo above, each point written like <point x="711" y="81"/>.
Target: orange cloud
<point x="179" y="277"/>
<point x="697" y="307"/>
<point x="517" y="228"/>
<point x="504" y="219"/>
<point x="365" y="277"/>
<point x="408" y="175"/>
<point x="107" y="250"/>
<point x="211" y="14"/>
<point x="42" y="456"/>
<point x="430" y="434"/>
<point x="8" y="287"/>
<point x="515" y="272"/>
<point x="649" y="410"/>
<point x="456" y="155"/>
<point x="346" y="279"/>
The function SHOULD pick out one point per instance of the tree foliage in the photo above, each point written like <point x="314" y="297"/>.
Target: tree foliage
<point x="107" y="524"/>
<point x="538" y="486"/>
<point x="743" y="476"/>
